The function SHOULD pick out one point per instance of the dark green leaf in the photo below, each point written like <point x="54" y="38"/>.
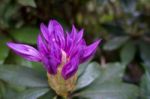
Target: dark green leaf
<point x="2" y="89"/>
<point x="33" y="93"/>
<point x="145" y="86"/>
<point x="82" y="68"/>
<point x="145" y="52"/>
<point x="49" y="95"/>
<point x="115" y="43"/>
<point x="21" y="75"/>
<point x="109" y="85"/>
<point x="27" y="2"/>
<point x="128" y="52"/>
<point x="17" y="60"/>
<point x="110" y="91"/>
<point x="111" y="72"/>
<point x="89" y="75"/>
<point x="3" y="48"/>
<point x="25" y="34"/>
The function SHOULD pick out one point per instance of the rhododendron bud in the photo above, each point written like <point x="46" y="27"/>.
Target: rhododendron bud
<point x="61" y="53"/>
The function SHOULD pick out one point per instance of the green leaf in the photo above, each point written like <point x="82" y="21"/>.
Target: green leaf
<point x="145" y="86"/>
<point x="33" y="93"/>
<point x="2" y="89"/>
<point x="115" y="43"/>
<point x="27" y="2"/>
<point x="25" y="34"/>
<point x="3" y="49"/>
<point x="111" y="72"/>
<point x="89" y="75"/>
<point x="82" y="68"/>
<point x="128" y="52"/>
<point x="17" y="60"/>
<point x="109" y="85"/>
<point x="110" y="91"/>
<point x="49" y="95"/>
<point x="145" y="52"/>
<point x="22" y="76"/>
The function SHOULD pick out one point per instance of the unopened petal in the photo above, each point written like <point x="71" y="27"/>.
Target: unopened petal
<point x="79" y="36"/>
<point x="57" y="32"/>
<point x="90" y="50"/>
<point x="44" y="30"/>
<point x="70" y="68"/>
<point x="50" y="64"/>
<point x="25" y="51"/>
<point x="42" y="46"/>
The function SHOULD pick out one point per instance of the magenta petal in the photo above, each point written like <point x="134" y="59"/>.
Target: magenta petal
<point x="73" y="32"/>
<point x="90" y="50"/>
<point x="70" y="68"/>
<point x="53" y="59"/>
<point x="46" y="34"/>
<point x="50" y="64"/>
<point x="79" y="35"/>
<point x="57" y="31"/>
<point x="55" y="26"/>
<point x="42" y="45"/>
<point x="25" y="51"/>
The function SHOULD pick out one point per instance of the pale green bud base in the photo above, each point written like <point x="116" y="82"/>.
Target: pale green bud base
<point x="61" y="86"/>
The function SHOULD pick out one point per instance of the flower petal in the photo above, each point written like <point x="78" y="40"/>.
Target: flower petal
<point x="25" y="51"/>
<point x="70" y="68"/>
<point x="57" y="31"/>
<point x="53" y="59"/>
<point x="73" y="32"/>
<point x="79" y="36"/>
<point x="90" y="50"/>
<point x="42" y="45"/>
<point x="50" y="64"/>
<point x="44" y="30"/>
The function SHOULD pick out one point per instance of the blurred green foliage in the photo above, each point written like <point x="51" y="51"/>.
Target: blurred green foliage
<point x="124" y="54"/>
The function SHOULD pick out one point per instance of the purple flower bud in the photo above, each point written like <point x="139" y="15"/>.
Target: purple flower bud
<point x="53" y="44"/>
<point x="60" y="54"/>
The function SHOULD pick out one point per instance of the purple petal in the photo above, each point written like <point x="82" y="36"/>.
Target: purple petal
<point x="50" y="64"/>
<point x="53" y="59"/>
<point x="79" y="36"/>
<point x="68" y="43"/>
<point x="55" y="51"/>
<point x="42" y="45"/>
<point x="57" y="31"/>
<point x="70" y="68"/>
<point x="25" y="51"/>
<point x="90" y="50"/>
<point x="73" y="32"/>
<point x="46" y="34"/>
